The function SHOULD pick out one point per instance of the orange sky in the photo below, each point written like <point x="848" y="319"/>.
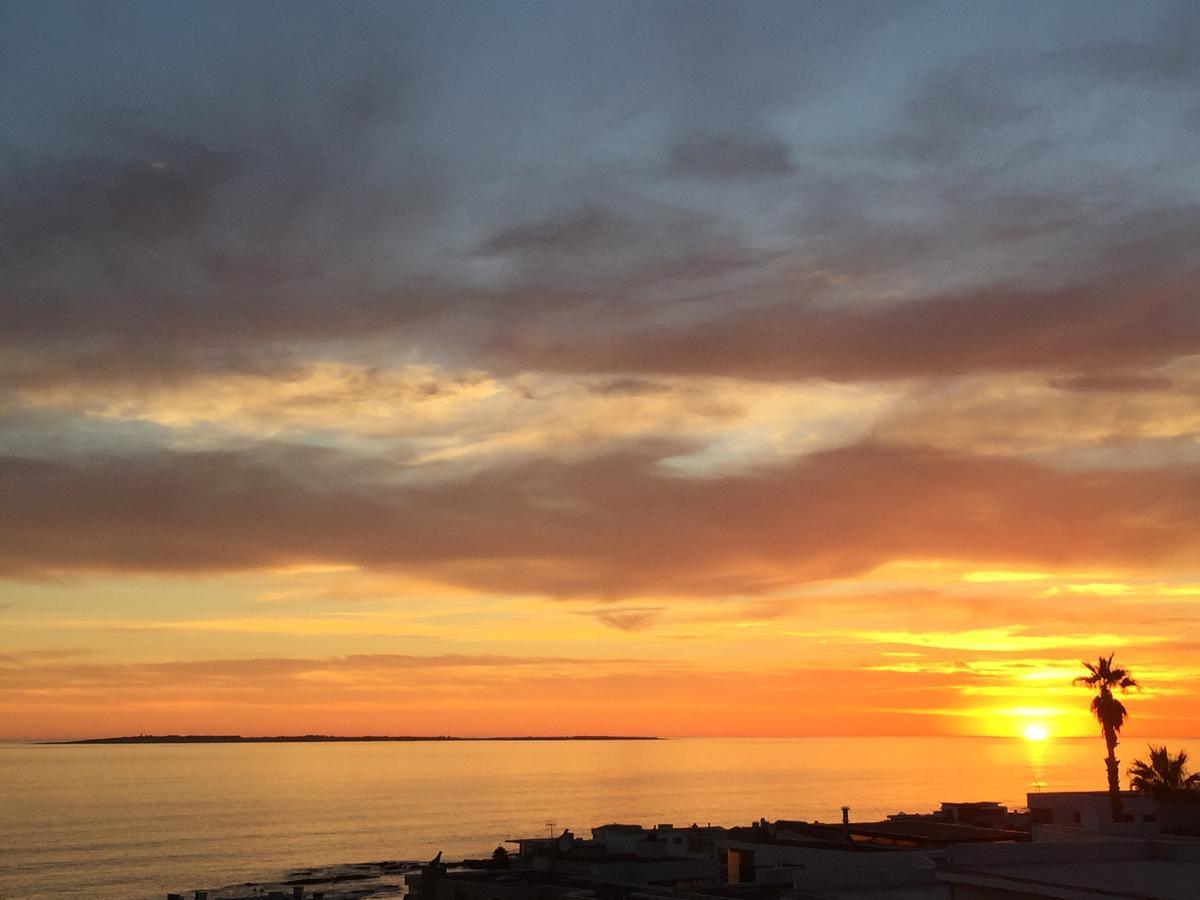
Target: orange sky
<point x="903" y="647"/>
<point x="823" y="369"/>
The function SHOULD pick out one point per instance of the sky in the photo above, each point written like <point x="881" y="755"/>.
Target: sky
<point x="627" y="368"/>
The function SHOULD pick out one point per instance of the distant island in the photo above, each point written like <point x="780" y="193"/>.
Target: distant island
<point x="335" y="739"/>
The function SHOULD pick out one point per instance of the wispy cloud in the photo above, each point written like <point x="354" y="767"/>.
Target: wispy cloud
<point x="1002" y="640"/>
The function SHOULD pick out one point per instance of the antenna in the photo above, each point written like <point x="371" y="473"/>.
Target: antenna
<point x="550" y="827"/>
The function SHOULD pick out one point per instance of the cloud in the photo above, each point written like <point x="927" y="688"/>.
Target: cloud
<point x="438" y="424"/>
<point x="956" y="117"/>
<point x="43" y="656"/>
<point x="1007" y="639"/>
<point x="235" y="210"/>
<point x="1130" y="416"/>
<point x="628" y="618"/>
<point x="476" y="695"/>
<point x="290" y="681"/>
<point x="715" y="156"/>
<point x="1102" y="323"/>
<point x="581" y="231"/>
<point x="1112" y="382"/>
<point x="157" y="187"/>
<point x="611" y="525"/>
<point x="1157" y="59"/>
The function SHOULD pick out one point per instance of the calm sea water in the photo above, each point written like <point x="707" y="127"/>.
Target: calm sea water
<point x="131" y="822"/>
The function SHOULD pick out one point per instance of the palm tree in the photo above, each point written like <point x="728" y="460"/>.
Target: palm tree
<point x="1104" y="677"/>
<point x="1165" y="776"/>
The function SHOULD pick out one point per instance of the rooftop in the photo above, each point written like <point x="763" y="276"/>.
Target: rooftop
<point x="917" y="830"/>
<point x="1141" y="879"/>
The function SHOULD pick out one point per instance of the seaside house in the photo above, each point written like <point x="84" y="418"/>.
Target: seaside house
<point x="894" y="858"/>
<point x="1062" y="814"/>
<point x="963" y="851"/>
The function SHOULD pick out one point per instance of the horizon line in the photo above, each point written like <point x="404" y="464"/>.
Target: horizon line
<point x="313" y="737"/>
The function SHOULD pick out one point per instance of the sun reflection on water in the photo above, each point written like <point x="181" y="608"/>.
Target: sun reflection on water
<point x="1035" y="748"/>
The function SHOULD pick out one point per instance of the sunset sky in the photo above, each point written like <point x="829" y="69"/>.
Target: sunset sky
<point x="547" y="368"/>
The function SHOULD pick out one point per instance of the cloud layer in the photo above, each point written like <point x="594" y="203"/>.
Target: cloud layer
<point x="605" y="526"/>
<point x="666" y="326"/>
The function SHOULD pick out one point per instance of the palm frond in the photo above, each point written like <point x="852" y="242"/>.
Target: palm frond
<point x="1164" y="775"/>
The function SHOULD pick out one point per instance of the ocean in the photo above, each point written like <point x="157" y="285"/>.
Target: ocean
<point x="132" y="822"/>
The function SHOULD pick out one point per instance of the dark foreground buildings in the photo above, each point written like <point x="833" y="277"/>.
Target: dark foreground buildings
<point x="1063" y="848"/>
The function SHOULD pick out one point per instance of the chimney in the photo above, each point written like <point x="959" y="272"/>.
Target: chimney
<point x="845" y="815"/>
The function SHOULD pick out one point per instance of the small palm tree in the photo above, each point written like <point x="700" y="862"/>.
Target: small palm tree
<point x="1104" y="678"/>
<point x="1165" y="776"/>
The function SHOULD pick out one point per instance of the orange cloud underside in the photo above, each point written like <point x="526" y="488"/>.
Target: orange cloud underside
<point x="547" y="553"/>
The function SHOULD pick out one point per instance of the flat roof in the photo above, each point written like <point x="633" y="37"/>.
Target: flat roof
<point x="915" y="829"/>
<point x="972" y="803"/>
<point x="1132" y="879"/>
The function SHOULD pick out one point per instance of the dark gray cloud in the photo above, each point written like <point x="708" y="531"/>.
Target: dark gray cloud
<point x="1131" y="321"/>
<point x="730" y="157"/>
<point x="595" y="253"/>
<point x="844" y="190"/>
<point x="955" y="118"/>
<point x="1164" y="56"/>
<point x="157" y="187"/>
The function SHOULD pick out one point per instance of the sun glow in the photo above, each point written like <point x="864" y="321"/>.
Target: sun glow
<point x="1035" y="731"/>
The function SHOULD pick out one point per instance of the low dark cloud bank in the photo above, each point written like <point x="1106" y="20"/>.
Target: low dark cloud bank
<point x="609" y="526"/>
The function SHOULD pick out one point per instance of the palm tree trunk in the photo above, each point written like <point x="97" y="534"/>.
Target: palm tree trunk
<point x="1114" y="782"/>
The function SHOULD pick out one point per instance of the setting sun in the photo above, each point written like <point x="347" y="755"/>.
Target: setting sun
<point x="1035" y="731"/>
